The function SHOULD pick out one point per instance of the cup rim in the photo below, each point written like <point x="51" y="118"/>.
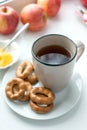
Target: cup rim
<point x="68" y="61"/>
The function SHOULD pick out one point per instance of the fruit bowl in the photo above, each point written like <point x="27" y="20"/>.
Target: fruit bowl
<point x="14" y="50"/>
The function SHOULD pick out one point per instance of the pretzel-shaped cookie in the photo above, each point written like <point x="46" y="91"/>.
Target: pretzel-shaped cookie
<point x="41" y="99"/>
<point x="41" y="108"/>
<point x="46" y="98"/>
<point x="24" y="69"/>
<point x="11" y="85"/>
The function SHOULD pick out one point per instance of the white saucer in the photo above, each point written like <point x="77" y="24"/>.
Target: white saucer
<point x="65" y="100"/>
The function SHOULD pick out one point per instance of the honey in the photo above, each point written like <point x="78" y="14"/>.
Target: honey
<point x="5" y="58"/>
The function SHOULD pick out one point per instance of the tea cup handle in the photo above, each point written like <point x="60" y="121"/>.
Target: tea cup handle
<point x="80" y="49"/>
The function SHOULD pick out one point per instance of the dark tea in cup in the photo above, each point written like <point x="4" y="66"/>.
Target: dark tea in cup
<point x="53" y="54"/>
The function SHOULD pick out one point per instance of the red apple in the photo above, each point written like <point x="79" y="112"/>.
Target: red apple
<point x="8" y="20"/>
<point x="84" y="2"/>
<point x="51" y="7"/>
<point x="35" y="15"/>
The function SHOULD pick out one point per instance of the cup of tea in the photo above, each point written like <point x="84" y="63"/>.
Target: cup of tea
<point x="54" y="57"/>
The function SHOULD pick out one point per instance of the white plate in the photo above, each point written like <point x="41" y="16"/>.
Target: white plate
<point x="15" y="52"/>
<point x="65" y="100"/>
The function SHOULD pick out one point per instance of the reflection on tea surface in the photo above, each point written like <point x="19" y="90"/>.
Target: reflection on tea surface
<point x="54" y="55"/>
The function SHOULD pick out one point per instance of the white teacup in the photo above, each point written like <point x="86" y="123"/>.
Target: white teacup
<point x="55" y="76"/>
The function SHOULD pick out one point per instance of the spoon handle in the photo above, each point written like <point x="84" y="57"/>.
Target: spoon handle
<point x="17" y="34"/>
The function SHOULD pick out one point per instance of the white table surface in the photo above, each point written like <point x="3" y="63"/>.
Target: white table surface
<point x="67" y="23"/>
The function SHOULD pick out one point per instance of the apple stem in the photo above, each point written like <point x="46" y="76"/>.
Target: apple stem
<point x="4" y="9"/>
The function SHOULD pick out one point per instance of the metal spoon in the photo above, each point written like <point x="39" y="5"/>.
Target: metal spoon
<point x="16" y="35"/>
